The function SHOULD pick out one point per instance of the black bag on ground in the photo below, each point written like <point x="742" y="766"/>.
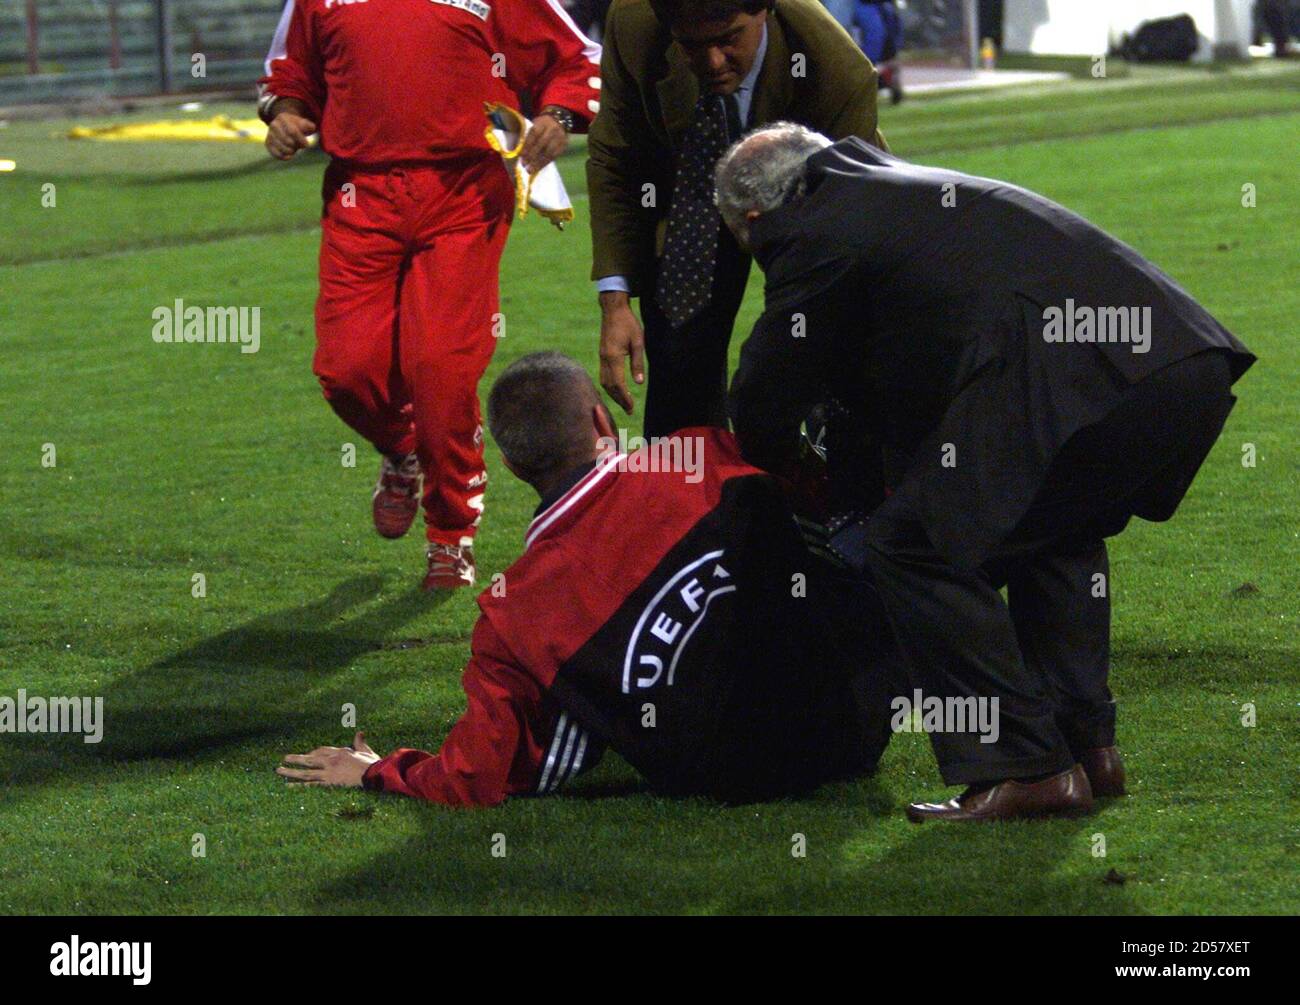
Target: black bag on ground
<point x="1167" y="39"/>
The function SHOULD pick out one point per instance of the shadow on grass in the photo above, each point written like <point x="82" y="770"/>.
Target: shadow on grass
<point x="309" y="159"/>
<point x="611" y="846"/>
<point x="240" y="686"/>
<point x="1178" y="665"/>
<point x="610" y="849"/>
<point x="298" y="639"/>
<point x="1031" y="867"/>
<point x="1042" y="867"/>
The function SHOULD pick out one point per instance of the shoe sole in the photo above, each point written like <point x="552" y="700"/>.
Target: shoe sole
<point x="394" y="531"/>
<point x="435" y="587"/>
<point x="1070" y="812"/>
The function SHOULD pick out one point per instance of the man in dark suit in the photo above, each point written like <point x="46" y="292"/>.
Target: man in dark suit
<point x="1023" y="384"/>
<point x="681" y="80"/>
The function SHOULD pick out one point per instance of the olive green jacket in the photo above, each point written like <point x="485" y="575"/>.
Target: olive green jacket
<point x="813" y="73"/>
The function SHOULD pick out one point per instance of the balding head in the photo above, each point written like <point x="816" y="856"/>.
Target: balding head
<point x="764" y="170"/>
<point x="547" y="417"/>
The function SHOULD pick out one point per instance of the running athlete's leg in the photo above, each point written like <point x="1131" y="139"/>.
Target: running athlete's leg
<point x="361" y="265"/>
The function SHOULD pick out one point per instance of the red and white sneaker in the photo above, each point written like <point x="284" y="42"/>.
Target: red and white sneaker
<point x="397" y="495"/>
<point x="450" y="567"/>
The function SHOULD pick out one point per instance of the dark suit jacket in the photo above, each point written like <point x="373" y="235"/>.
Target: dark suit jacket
<point x="647" y="105"/>
<point x="924" y="317"/>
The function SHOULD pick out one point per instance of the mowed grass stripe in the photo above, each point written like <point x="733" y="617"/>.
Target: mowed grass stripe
<point x="117" y="196"/>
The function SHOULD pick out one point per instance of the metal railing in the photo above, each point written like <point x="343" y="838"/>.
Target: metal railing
<point x="57" y="49"/>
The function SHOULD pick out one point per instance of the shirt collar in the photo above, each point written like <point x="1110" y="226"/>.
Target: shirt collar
<point x="751" y="78"/>
<point x="778" y="228"/>
<point x="570" y="479"/>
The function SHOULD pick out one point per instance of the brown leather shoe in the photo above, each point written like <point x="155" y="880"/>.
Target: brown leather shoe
<point x="1105" y="770"/>
<point x="1066" y="794"/>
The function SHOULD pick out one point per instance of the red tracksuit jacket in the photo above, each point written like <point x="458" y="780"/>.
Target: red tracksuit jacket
<point x="654" y="616"/>
<point x="405" y="80"/>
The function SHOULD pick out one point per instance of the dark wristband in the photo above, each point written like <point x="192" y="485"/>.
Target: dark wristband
<point x="566" y="119"/>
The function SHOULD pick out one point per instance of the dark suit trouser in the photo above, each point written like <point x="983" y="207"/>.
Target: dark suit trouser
<point x="1045" y="651"/>
<point x="824" y="713"/>
<point x="687" y="383"/>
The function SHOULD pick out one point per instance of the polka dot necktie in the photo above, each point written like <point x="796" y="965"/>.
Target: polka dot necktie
<point x="685" y="284"/>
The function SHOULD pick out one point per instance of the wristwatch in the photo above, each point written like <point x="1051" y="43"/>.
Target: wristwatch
<point x="563" y="116"/>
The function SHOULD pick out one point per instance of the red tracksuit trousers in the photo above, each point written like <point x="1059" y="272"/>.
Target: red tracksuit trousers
<point x="407" y="317"/>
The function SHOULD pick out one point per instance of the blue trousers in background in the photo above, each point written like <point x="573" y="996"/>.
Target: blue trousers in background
<point x="842" y="11"/>
<point x="879" y="27"/>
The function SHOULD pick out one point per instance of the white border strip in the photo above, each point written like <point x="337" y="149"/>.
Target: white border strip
<point x="566" y="501"/>
<point x="590" y="49"/>
<point x="280" y="41"/>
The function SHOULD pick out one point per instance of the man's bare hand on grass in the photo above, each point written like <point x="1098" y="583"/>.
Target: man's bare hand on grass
<point x="344" y="766"/>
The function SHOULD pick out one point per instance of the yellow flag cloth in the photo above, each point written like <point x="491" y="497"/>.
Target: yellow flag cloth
<point x="220" y="127"/>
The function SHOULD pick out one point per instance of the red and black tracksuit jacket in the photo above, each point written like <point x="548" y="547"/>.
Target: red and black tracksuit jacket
<point x="676" y="619"/>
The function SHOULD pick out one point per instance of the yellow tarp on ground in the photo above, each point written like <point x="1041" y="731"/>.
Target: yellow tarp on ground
<point x="220" y="127"/>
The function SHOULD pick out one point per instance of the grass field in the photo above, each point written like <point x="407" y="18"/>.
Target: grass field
<point x="177" y="460"/>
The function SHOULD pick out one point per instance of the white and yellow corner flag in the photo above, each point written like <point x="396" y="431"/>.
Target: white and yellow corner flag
<point x="544" y="191"/>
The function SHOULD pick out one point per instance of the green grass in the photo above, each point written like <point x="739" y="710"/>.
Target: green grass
<point x="174" y="460"/>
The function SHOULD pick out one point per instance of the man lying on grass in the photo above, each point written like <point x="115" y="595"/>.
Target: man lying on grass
<point x="676" y="617"/>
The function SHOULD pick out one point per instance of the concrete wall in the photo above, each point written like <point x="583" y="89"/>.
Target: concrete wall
<point x="1087" y="27"/>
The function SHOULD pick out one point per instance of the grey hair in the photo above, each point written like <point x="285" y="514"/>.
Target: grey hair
<point x="539" y="413"/>
<point x="764" y="170"/>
